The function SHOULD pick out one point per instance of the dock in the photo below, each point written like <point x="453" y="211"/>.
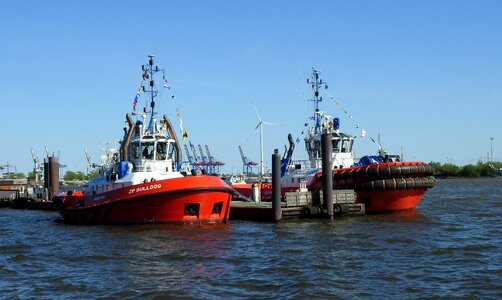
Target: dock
<point x="27" y="203"/>
<point x="321" y="203"/>
<point x="298" y="205"/>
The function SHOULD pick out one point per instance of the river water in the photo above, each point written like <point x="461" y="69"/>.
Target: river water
<point x="451" y="246"/>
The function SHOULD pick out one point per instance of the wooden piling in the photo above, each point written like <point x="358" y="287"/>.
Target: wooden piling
<point x="327" y="178"/>
<point x="53" y="176"/>
<point x="276" y="185"/>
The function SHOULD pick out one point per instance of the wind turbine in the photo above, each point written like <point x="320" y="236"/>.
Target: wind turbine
<point x="260" y="124"/>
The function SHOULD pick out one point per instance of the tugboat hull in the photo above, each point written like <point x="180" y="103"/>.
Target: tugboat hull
<point x="390" y="201"/>
<point x="383" y="187"/>
<point x="387" y="187"/>
<point x="188" y="200"/>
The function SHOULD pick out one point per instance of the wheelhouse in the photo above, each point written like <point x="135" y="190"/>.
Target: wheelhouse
<point x="341" y="153"/>
<point x="150" y="147"/>
<point x="152" y="153"/>
<point x="341" y="142"/>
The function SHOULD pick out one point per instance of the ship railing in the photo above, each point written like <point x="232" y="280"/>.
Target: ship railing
<point x="154" y="166"/>
<point x="304" y="164"/>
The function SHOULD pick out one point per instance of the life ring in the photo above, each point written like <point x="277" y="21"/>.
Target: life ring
<point x="391" y="184"/>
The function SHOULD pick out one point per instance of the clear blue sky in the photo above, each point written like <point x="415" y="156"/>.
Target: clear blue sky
<point x="426" y="75"/>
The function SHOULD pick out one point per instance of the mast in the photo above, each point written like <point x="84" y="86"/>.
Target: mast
<point x="149" y="71"/>
<point x="316" y="83"/>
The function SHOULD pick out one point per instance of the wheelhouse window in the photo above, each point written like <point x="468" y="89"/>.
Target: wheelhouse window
<point x="336" y="145"/>
<point x="148" y="149"/>
<point x="161" y="150"/>
<point x="170" y="150"/>
<point x="134" y="150"/>
<point x="347" y="146"/>
<point x="307" y="147"/>
<point x="317" y="149"/>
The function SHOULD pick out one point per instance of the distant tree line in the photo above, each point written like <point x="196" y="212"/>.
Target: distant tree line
<point x="68" y="176"/>
<point x="13" y="175"/>
<point x="79" y="176"/>
<point x="478" y="170"/>
<point x="440" y="170"/>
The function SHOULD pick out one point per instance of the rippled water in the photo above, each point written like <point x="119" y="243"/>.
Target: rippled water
<point x="449" y="247"/>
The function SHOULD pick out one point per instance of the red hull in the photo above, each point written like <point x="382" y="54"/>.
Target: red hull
<point x="384" y="187"/>
<point x="387" y="187"/>
<point x="246" y="189"/>
<point x="191" y="199"/>
<point x="390" y="201"/>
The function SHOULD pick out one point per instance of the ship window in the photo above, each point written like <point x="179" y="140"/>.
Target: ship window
<point x="147" y="151"/>
<point x="347" y="145"/>
<point x="134" y="151"/>
<point x="317" y="149"/>
<point x="170" y="150"/>
<point x="191" y="209"/>
<point x="217" y="208"/>
<point x="161" y="150"/>
<point x="336" y="145"/>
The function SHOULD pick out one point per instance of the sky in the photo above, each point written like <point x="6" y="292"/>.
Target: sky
<point x="425" y="76"/>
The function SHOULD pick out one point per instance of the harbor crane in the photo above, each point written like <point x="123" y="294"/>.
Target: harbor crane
<point x="8" y="166"/>
<point x="36" y="167"/>
<point x="202" y="156"/>
<point x="90" y="164"/>
<point x="203" y="159"/>
<point x="189" y="157"/>
<point x="195" y="157"/>
<point x="209" y="156"/>
<point x="61" y="166"/>
<point x="247" y="165"/>
<point x="213" y="163"/>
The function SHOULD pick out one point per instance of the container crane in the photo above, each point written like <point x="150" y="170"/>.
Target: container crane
<point x="204" y="162"/>
<point x="209" y="156"/>
<point x="195" y="157"/>
<point x="213" y="163"/>
<point x="210" y="161"/>
<point x="190" y="158"/>
<point x="247" y="165"/>
<point x="202" y="156"/>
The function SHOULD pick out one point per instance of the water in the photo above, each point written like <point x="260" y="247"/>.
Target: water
<point x="449" y="247"/>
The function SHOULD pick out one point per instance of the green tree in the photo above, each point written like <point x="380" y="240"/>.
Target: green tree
<point x="450" y="170"/>
<point x="31" y="176"/>
<point x="469" y="171"/>
<point x="72" y="176"/>
<point x="485" y="170"/>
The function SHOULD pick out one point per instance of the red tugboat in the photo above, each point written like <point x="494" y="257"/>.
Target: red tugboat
<point x="382" y="182"/>
<point x="146" y="181"/>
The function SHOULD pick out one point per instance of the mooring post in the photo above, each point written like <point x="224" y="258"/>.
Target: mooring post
<point x="276" y="185"/>
<point x="46" y="179"/>
<point x="53" y="176"/>
<point x="327" y="175"/>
